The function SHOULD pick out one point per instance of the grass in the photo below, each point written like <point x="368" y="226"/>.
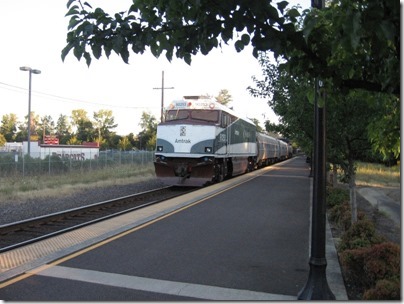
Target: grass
<point x="20" y="188"/>
<point x="377" y="175"/>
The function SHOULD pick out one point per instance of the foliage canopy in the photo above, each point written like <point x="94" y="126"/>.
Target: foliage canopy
<point x="356" y="44"/>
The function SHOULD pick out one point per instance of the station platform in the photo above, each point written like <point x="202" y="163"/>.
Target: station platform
<point x="247" y="239"/>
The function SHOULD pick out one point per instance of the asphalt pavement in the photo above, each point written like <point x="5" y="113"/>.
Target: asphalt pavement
<point x="244" y="239"/>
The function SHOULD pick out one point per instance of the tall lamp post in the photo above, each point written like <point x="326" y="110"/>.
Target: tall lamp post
<point x="316" y="287"/>
<point x="31" y="71"/>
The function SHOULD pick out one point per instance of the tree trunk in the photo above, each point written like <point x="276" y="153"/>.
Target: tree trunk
<point x="352" y="191"/>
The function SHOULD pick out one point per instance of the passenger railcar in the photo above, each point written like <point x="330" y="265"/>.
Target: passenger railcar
<point x="268" y="150"/>
<point x="201" y="141"/>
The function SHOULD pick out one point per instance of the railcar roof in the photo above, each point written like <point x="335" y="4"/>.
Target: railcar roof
<point x="202" y="103"/>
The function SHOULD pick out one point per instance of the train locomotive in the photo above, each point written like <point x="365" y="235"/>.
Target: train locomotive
<point x="202" y="141"/>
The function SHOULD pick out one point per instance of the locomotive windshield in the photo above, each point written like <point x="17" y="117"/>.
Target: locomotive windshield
<point x="193" y="115"/>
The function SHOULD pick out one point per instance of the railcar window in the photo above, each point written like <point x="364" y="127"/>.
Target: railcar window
<point x="206" y="115"/>
<point x="177" y="115"/>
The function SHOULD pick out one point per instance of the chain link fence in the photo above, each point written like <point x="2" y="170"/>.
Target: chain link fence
<point x="17" y="164"/>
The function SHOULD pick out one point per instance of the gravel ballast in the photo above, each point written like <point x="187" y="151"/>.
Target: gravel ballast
<point x="13" y="211"/>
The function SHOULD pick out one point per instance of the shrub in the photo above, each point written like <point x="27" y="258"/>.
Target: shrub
<point x="368" y="265"/>
<point x="340" y="214"/>
<point x="382" y="261"/>
<point x="360" y="234"/>
<point x="336" y="196"/>
<point x="384" y="290"/>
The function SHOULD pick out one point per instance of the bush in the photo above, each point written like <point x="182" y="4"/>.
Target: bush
<point x="340" y="214"/>
<point x="336" y="196"/>
<point x="384" y="290"/>
<point x="368" y="267"/>
<point x="382" y="261"/>
<point x="360" y="234"/>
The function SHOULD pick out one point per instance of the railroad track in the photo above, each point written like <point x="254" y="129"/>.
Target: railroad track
<point x="28" y="231"/>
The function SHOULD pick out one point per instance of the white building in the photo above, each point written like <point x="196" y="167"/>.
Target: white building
<point x="12" y="147"/>
<point x="73" y="152"/>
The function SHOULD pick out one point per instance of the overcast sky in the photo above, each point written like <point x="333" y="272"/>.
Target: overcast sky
<point x="34" y="33"/>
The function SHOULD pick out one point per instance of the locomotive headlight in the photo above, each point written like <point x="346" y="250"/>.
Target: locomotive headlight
<point x="208" y="149"/>
<point x="160" y="158"/>
<point x="160" y="148"/>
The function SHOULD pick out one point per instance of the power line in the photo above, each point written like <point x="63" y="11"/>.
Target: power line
<point x="66" y="99"/>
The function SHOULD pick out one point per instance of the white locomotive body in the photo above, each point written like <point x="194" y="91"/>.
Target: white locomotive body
<point x="202" y="141"/>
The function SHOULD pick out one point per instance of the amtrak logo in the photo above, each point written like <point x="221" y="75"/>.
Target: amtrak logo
<point x="183" y="131"/>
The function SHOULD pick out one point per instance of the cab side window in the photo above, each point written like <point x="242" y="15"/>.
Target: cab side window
<point x="225" y="120"/>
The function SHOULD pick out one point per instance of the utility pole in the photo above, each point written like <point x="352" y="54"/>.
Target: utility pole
<point x="162" y="94"/>
<point x="30" y="71"/>
<point x="316" y="287"/>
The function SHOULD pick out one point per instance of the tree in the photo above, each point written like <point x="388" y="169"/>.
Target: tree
<point x="124" y="144"/>
<point x="257" y="124"/>
<point x="355" y="44"/>
<point x="3" y="140"/>
<point x="46" y="126"/>
<point x="287" y="96"/>
<point x="83" y="125"/>
<point x="73" y="141"/>
<point x="9" y="126"/>
<point x="384" y="129"/>
<point x="147" y="137"/>
<point x="22" y="133"/>
<point x="349" y="116"/>
<point x="104" y="122"/>
<point x="63" y="129"/>
<point x="224" y="97"/>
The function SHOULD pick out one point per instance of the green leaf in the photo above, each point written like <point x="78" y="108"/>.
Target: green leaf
<point x="73" y="11"/>
<point x="66" y="50"/>
<point x="107" y="49"/>
<point x="87" y="4"/>
<point x="98" y="13"/>
<point x="294" y="13"/>
<point x="125" y="54"/>
<point x="78" y="51"/>
<point x="273" y="13"/>
<point x="87" y="56"/>
<point x="309" y="26"/>
<point x="310" y="96"/>
<point x="239" y="45"/>
<point x="117" y="44"/>
<point x="73" y="22"/>
<point x="187" y="58"/>
<point x="97" y="50"/>
<point x="169" y="55"/>
<point x="282" y="5"/>
<point x="69" y="3"/>
<point x="245" y="38"/>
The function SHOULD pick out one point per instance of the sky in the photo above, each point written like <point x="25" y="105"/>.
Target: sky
<point x="34" y="33"/>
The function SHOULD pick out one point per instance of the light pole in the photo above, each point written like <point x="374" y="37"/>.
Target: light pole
<point x="316" y="287"/>
<point x="30" y="70"/>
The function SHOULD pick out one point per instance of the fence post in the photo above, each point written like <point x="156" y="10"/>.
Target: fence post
<point x="49" y="168"/>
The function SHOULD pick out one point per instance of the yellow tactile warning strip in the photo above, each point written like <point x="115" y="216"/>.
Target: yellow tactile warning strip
<point x="20" y="260"/>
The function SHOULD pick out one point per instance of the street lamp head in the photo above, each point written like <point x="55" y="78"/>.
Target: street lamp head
<point x="25" y="68"/>
<point x="34" y="71"/>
